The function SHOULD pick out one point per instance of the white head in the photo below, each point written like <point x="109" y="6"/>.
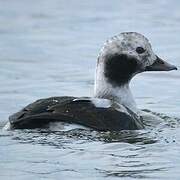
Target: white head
<point x="121" y="58"/>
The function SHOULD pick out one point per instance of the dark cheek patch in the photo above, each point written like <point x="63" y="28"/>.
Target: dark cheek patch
<point x="119" y="69"/>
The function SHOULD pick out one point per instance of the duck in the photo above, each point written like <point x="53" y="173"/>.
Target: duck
<point x="112" y="108"/>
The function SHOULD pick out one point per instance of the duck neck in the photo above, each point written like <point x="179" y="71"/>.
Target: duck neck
<point x="121" y="94"/>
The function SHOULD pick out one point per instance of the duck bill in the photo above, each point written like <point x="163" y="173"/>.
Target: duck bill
<point x="160" y="65"/>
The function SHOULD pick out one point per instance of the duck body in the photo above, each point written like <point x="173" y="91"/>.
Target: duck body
<point x="95" y="113"/>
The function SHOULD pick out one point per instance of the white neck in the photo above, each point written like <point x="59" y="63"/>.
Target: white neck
<point x="121" y="94"/>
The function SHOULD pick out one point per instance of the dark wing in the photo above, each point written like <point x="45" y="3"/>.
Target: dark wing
<point x="82" y="112"/>
<point x="40" y="107"/>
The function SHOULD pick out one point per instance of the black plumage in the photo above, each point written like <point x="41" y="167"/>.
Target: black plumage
<point x="81" y="111"/>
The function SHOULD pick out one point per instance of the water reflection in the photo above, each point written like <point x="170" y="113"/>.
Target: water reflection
<point x="57" y="138"/>
<point x="140" y="174"/>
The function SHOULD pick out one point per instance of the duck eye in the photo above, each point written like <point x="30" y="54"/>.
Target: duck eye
<point x="140" y="50"/>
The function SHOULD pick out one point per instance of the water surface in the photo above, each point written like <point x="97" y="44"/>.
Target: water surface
<point x="49" y="48"/>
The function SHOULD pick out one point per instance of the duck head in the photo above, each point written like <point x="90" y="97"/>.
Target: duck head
<point x="121" y="58"/>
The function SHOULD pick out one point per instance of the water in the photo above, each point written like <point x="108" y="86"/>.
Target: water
<point x="48" y="48"/>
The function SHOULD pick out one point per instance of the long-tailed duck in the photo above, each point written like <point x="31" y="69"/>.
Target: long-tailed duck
<point x="112" y="107"/>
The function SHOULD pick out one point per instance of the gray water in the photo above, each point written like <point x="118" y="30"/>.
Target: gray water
<point x="49" y="48"/>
